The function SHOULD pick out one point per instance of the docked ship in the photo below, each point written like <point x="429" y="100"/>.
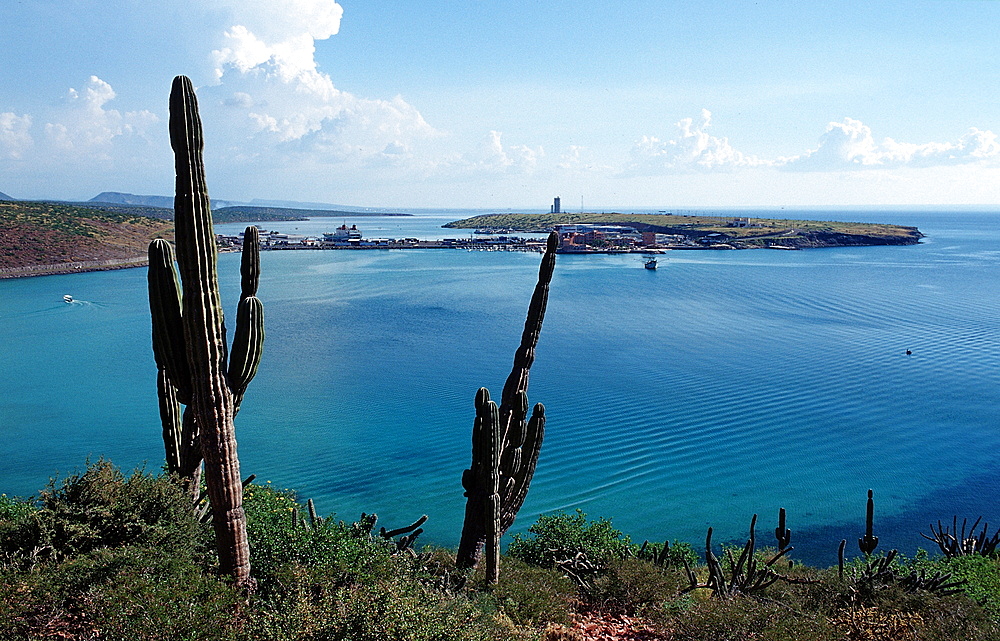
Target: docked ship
<point x="344" y="235"/>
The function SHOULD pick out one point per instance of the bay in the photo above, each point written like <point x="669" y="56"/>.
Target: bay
<point x="721" y="385"/>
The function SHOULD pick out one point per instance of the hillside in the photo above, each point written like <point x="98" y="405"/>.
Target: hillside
<point x="223" y="211"/>
<point x="53" y="234"/>
<point x="250" y="213"/>
<point x="167" y="202"/>
<point x="4" y="196"/>
<point x="760" y="232"/>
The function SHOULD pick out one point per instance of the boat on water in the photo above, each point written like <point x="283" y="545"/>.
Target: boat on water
<point x="650" y="263"/>
<point x="67" y="298"/>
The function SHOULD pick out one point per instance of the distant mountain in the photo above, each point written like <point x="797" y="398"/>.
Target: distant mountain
<point x="120" y="198"/>
<point x="4" y="196"/>
<point x="315" y="207"/>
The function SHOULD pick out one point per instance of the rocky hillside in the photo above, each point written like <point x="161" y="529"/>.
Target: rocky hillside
<point x="38" y="233"/>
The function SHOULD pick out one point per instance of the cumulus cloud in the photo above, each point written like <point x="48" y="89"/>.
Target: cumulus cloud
<point x="692" y="148"/>
<point x="494" y="157"/>
<point x="269" y="76"/>
<point x="15" y="135"/>
<point x="85" y="125"/>
<point x="850" y="145"/>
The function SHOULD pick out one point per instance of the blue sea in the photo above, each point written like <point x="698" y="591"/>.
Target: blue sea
<point x="721" y="385"/>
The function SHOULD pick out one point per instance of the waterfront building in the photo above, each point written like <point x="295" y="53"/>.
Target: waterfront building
<point x="583" y="237"/>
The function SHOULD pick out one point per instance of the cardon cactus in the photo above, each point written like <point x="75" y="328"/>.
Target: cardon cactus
<point x="505" y="442"/>
<point x="189" y="339"/>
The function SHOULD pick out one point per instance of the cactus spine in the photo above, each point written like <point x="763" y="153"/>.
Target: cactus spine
<point x="189" y="337"/>
<point x="505" y="442"/>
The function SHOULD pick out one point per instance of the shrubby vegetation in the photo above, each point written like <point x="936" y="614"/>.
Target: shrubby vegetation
<point x="103" y="555"/>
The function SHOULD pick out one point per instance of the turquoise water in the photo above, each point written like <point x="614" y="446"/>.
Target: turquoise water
<point x="721" y="385"/>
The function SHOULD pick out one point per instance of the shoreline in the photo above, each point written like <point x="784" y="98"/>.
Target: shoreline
<point x="76" y="267"/>
<point x="79" y="267"/>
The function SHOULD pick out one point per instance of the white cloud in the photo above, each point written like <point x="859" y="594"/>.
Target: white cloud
<point x="494" y="157"/>
<point x="85" y="126"/>
<point x="693" y="148"/>
<point x="850" y="145"/>
<point x="268" y="76"/>
<point x="15" y="136"/>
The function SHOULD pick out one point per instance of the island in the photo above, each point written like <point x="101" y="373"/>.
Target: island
<point x="593" y="232"/>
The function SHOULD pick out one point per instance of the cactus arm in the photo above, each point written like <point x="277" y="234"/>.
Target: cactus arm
<point x="490" y="481"/>
<point x="248" y="345"/>
<point x="517" y="380"/>
<point x="518" y="490"/>
<point x="204" y="332"/>
<point x="474" y="530"/>
<point x="250" y="263"/>
<point x="170" y="419"/>
<point x="169" y="348"/>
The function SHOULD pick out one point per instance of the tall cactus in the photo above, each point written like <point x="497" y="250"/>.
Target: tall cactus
<point x="189" y="338"/>
<point x="505" y="442"/>
<point x="869" y="541"/>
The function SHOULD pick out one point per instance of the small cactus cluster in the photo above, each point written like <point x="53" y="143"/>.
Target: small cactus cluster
<point x="955" y="543"/>
<point x="746" y="574"/>
<point x="505" y="443"/>
<point x="189" y="340"/>
<point x="366" y="524"/>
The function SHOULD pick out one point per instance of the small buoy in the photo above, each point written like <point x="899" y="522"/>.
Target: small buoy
<point x="908" y="352"/>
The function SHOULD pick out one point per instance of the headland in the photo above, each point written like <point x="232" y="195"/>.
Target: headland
<point x="586" y="232"/>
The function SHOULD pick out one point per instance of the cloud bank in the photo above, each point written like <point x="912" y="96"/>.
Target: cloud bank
<point x="845" y="146"/>
<point x="692" y="148"/>
<point x="850" y="145"/>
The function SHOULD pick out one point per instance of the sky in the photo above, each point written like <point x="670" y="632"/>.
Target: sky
<point x="488" y="104"/>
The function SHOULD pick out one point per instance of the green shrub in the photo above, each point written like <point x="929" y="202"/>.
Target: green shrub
<point x="634" y="586"/>
<point x="330" y="548"/>
<point x="125" y="593"/>
<point x="18" y="535"/>
<point x="982" y="580"/>
<point x="384" y="610"/>
<point x="562" y="535"/>
<point x="103" y="508"/>
<point x="743" y="618"/>
<point x="532" y="596"/>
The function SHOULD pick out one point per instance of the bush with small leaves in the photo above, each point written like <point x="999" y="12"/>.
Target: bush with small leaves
<point x="529" y="595"/>
<point x="561" y="535"/>
<point x="634" y="586"/>
<point x="103" y="508"/>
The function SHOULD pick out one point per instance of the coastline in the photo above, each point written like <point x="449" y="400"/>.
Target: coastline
<point x="76" y="267"/>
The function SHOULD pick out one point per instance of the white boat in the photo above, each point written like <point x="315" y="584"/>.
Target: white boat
<point x="67" y="298"/>
<point x="650" y="263"/>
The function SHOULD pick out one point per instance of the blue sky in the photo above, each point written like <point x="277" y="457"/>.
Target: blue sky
<point x="478" y="103"/>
